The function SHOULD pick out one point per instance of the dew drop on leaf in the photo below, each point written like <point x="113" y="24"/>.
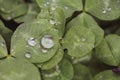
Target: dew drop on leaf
<point x="31" y="42"/>
<point x="28" y="55"/>
<point x="83" y="39"/>
<point x="66" y="7"/>
<point x="52" y="22"/>
<point x="47" y="41"/>
<point x="53" y="8"/>
<point x="44" y="50"/>
<point x="2" y="43"/>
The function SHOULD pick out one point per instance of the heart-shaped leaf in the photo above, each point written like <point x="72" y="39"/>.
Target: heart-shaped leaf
<point x="12" y="9"/>
<point x="108" y="50"/>
<point x="15" y="69"/>
<point x="79" y="40"/>
<point x="69" y="6"/>
<point x="6" y="33"/>
<point x="64" y="71"/>
<point x="3" y="49"/>
<point x="81" y="72"/>
<point x="31" y="14"/>
<point x="103" y="9"/>
<point x="107" y="75"/>
<point x="39" y="41"/>
<point x="53" y="61"/>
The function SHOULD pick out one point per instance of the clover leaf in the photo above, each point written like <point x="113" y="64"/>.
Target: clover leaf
<point x="103" y="9"/>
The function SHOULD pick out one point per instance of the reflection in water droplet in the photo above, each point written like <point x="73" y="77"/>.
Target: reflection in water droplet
<point x="47" y="41"/>
<point x="44" y="50"/>
<point x="52" y="22"/>
<point x="28" y="55"/>
<point x="31" y="42"/>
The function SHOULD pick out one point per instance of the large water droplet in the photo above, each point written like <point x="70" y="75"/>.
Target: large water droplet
<point x="47" y="41"/>
<point x="31" y="42"/>
<point x="104" y="11"/>
<point x="28" y="55"/>
<point x="52" y="22"/>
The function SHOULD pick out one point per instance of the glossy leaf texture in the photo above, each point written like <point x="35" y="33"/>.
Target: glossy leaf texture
<point x="53" y="61"/>
<point x="3" y="48"/>
<point x="80" y="38"/>
<point x="107" y="75"/>
<point x="39" y="41"/>
<point x="81" y="72"/>
<point x="63" y="71"/>
<point x="12" y="8"/>
<point x="15" y="69"/>
<point x="103" y="9"/>
<point x="69" y="6"/>
<point x="108" y="50"/>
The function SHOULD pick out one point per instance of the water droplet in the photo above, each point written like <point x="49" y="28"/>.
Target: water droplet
<point x="104" y="11"/>
<point x="2" y="9"/>
<point x="32" y="42"/>
<point x="53" y="0"/>
<point x="109" y="9"/>
<point x="66" y="7"/>
<point x="44" y="50"/>
<point x="9" y="18"/>
<point x="53" y="8"/>
<point x="83" y="39"/>
<point x="2" y="44"/>
<point x="47" y="41"/>
<point x="28" y="55"/>
<point x="52" y="22"/>
<point x="47" y="3"/>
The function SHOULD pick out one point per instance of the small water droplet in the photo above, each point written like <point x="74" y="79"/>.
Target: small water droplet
<point x="47" y="3"/>
<point x="53" y="0"/>
<point x="66" y="7"/>
<point x="2" y="9"/>
<point x="28" y="55"/>
<point x="52" y="22"/>
<point x="118" y="1"/>
<point x="47" y="41"/>
<point x="9" y="18"/>
<point x="53" y="8"/>
<point x="31" y="42"/>
<point x="104" y="11"/>
<point x="44" y="50"/>
<point x="2" y="43"/>
<point x="83" y="39"/>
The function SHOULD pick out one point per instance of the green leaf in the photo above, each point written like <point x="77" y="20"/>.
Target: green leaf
<point x="3" y="49"/>
<point x="15" y="69"/>
<point x="12" y="9"/>
<point x="69" y="6"/>
<point x="53" y="61"/>
<point x="108" y="50"/>
<point x="103" y="9"/>
<point x="81" y="72"/>
<point x="79" y="40"/>
<point x="107" y="75"/>
<point x="36" y="41"/>
<point x="64" y="71"/>
<point x="5" y="32"/>
<point x="31" y="14"/>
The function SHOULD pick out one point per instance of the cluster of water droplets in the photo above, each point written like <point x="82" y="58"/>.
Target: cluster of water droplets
<point x="46" y="42"/>
<point x="107" y="7"/>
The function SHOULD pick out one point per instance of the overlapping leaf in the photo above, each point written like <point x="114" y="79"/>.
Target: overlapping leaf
<point x="103" y="9"/>
<point x="35" y="47"/>
<point x="15" y="69"/>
